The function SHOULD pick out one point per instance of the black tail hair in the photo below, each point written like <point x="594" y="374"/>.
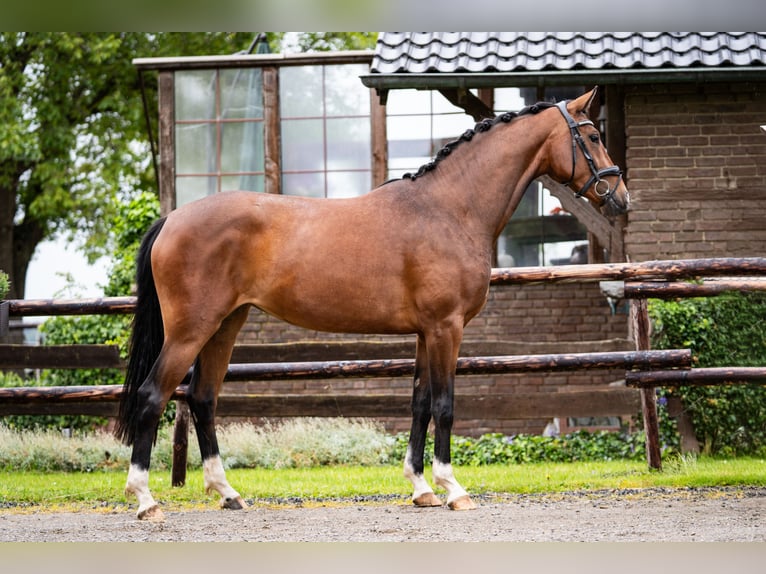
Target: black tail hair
<point x="146" y="339"/>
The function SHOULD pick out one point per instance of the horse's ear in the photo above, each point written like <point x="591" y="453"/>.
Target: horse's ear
<point x="583" y="103"/>
<point x="592" y="97"/>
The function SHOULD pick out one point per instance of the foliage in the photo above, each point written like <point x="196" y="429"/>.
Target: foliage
<point x="329" y="41"/>
<point x="5" y="285"/>
<point x="495" y="448"/>
<point x="729" y="330"/>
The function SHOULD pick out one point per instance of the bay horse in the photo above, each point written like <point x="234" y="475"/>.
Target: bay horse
<point x="413" y="256"/>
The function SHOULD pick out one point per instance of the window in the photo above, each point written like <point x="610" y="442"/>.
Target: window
<point x="325" y="131"/>
<point x="540" y="232"/>
<point x="219" y="133"/>
<point x="418" y="124"/>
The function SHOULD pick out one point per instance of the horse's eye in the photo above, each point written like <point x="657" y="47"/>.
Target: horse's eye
<point x="595" y="138"/>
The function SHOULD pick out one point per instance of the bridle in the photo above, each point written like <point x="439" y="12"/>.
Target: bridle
<point x="601" y="186"/>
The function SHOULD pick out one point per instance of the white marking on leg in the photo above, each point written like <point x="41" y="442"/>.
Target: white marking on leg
<point x="419" y="483"/>
<point x="444" y="477"/>
<point x="215" y="479"/>
<point x="138" y="484"/>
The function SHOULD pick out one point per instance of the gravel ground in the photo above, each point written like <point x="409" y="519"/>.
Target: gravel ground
<point x="647" y="515"/>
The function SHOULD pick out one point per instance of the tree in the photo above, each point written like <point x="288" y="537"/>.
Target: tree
<point x="73" y="134"/>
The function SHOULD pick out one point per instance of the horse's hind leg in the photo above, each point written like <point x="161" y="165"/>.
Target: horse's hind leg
<point x="168" y="371"/>
<point x="423" y="494"/>
<point x="202" y="396"/>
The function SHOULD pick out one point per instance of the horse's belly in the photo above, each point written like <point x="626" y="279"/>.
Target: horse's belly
<point x="341" y="310"/>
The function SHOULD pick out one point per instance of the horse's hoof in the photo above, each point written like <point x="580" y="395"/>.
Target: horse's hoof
<point x="462" y="503"/>
<point x="233" y="503"/>
<point x="151" y="514"/>
<point x="427" y="499"/>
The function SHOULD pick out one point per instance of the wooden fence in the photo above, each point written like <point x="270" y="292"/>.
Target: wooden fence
<point x="645" y="369"/>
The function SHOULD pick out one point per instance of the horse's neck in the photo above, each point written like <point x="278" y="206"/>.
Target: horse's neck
<point x="484" y="180"/>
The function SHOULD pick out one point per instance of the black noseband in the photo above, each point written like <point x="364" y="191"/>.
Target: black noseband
<point x="601" y="186"/>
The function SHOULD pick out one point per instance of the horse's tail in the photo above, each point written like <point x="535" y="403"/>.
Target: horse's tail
<point x="146" y="339"/>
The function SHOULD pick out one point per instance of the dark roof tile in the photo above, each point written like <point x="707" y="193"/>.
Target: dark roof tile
<point x="448" y="52"/>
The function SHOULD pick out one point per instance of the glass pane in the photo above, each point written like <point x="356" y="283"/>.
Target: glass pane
<point x="348" y="183"/>
<point x="302" y="145"/>
<point x="565" y="253"/>
<point x="300" y="91"/>
<point x="508" y="100"/>
<point x="195" y="148"/>
<point x="345" y="95"/>
<point x="409" y="144"/>
<point x="243" y="182"/>
<point x="447" y="128"/>
<point x="305" y="184"/>
<point x="348" y="144"/>
<point x="442" y="105"/>
<point x="242" y="147"/>
<point x="190" y="189"/>
<point x="195" y="95"/>
<point x="241" y="93"/>
<point x="408" y="102"/>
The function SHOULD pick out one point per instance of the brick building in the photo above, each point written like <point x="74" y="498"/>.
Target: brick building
<point x="680" y="112"/>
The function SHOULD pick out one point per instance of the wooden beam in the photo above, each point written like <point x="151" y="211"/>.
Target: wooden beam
<point x="680" y="358"/>
<point x="646" y="270"/>
<point x="102" y="401"/>
<point x="378" y="134"/>
<point x="60" y="357"/>
<point x="167" y="139"/>
<point x="97" y="306"/>
<point x="640" y="326"/>
<point x="666" y="290"/>
<point x="697" y="377"/>
<point x="271" y="131"/>
<point x="465" y="100"/>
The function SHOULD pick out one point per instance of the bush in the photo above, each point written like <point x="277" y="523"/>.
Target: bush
<point x="729" y="330"/>
<point x="5" y="284"/>
<point x="495" y="448"/>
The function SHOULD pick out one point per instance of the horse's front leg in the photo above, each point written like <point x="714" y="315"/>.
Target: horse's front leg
<point x="443" y="349"/>
<point x="423" y="494"/>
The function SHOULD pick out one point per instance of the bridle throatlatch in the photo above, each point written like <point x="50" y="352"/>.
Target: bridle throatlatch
<point x="601" y="186"/>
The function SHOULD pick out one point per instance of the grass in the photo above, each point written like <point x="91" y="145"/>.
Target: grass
<point x="51" y="491"/>
<point x="308" y="461"/>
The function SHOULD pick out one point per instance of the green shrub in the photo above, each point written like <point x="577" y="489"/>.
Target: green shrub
<point x="496" y="448"/>
<point x="729" y="330"/>
<point x="5" y="284"/>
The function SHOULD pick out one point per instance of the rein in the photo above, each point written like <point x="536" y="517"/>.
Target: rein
<point x="605" y="193"/>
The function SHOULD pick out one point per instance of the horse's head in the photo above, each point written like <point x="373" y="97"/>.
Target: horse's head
<point x="581" y="161"/>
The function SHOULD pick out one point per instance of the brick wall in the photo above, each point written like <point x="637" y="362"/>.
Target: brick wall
<point x="696" y="170"/>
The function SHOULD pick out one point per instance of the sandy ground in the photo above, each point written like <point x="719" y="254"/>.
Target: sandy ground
<point x="653" y="515"/>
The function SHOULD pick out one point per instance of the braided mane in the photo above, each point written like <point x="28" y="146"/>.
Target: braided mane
<point x="467" y="136"/>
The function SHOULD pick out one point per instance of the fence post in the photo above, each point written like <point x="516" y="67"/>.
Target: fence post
<point x="180" y="444"/>
<point x="640" y="323"/>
